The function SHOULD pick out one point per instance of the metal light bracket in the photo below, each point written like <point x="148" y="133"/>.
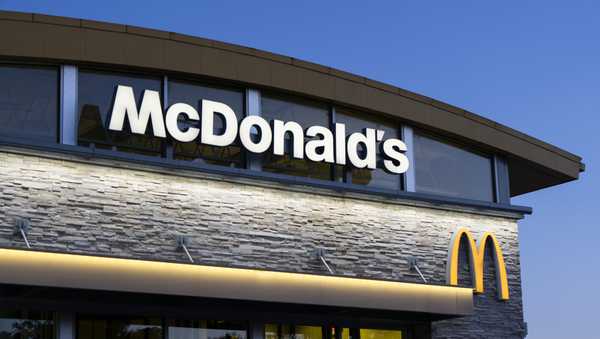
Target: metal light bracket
<point x="320" y="254"/>
<point x="413" y="266"/>
<point x="182" y="243"/>
<point x="22" y="228"/>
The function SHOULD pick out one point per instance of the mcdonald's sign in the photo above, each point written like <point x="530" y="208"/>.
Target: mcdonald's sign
<point x="477" y="261"/>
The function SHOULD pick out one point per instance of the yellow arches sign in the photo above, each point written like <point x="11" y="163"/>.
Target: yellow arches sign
<point x="477" y="261"/>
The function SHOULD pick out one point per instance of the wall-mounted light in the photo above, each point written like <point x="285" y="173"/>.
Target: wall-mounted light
<point x="413" y="266"/>
<point x="182" y="243"/>
<point x="320" y="254"/>
<point x="22" y="228"/>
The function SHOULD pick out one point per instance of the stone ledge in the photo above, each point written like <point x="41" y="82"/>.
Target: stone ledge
<point x="259" y="182"/>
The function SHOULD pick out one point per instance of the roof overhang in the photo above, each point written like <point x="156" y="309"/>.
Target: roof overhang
<point x="533" y="164"/>
<point x="32" y="268"/>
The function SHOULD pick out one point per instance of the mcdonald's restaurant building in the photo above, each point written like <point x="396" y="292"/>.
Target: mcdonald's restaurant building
<point x="155" y="185"/>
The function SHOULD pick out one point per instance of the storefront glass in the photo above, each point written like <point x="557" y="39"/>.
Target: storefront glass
<point x="17" y="324"/>
<point x="26" y="325"/>
<point x="97" y="327"/>
<point x="379" y="334"/>
<point x="286" y="331"/>
<point x="206" y="329"/>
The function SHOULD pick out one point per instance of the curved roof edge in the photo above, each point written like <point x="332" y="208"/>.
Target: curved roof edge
<point x="533" y="164"/>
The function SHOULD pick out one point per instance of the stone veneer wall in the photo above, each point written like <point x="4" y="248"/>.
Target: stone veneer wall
<point x="85" y="208"/>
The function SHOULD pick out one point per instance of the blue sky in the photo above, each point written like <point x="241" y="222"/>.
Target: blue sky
<point x="532" y="65"/>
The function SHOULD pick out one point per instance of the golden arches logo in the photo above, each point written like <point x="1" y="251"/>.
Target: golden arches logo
<point x="477" y="261"/>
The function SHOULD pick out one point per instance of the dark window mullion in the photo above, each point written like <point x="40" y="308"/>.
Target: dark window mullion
<point x="332" y="128"/>
<point x="168" y="144"/>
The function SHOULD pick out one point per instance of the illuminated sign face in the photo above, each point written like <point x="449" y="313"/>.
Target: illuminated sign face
<point x="255" y="133"/>
<point x="477" y="261"/>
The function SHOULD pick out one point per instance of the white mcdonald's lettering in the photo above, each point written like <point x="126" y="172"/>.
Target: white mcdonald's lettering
<point x="325" y="146"/>
<point x="138" y="121"/>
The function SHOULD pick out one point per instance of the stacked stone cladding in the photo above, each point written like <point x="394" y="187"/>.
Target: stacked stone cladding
<point x="84" y="207"/>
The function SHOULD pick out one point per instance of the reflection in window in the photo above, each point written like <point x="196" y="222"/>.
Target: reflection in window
<point x="96" y="95"/>
<point x="378" y="178"/>
<point x="305" y="113"/>
<point x="286" y="331"/>
<point x="193" y="94"/>
<point x="308" y="332"/>
<point x="97" y="327"/>
<point x="26" y="325"/>
<point x="271" y="331"/>
<point x="449" y="170"/>
<point x="341" y="332"/>
<point x="380" y="334"/>
<point x="206" y="329"/>
<point x="29" y="103"/>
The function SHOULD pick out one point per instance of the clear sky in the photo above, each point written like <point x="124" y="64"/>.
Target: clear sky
<point x="532" y="65"/>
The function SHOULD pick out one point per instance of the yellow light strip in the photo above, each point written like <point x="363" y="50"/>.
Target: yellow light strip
<point x="128" y="275"/>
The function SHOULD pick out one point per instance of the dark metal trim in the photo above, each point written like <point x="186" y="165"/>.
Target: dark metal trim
<point x="501" y="179"/>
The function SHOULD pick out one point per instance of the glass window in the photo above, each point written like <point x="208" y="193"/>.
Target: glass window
<point x="378" y="178"/>
<point x="286" y="331"/>
<point x="98" y="327"/>
<point x="26" y="325"/>
<point x="271" y="331"/>
<point x="445" y="169"/>
<point x="206" y="329"/>
<point x="306" y="114"/>
<point x="380" y="334"/>
<point x="29" y="103"/>
<point x="308" y="332"/>
<point x="192" y="94"/>
<point x="341" y="333"/>
<point x="96" y="95"/>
